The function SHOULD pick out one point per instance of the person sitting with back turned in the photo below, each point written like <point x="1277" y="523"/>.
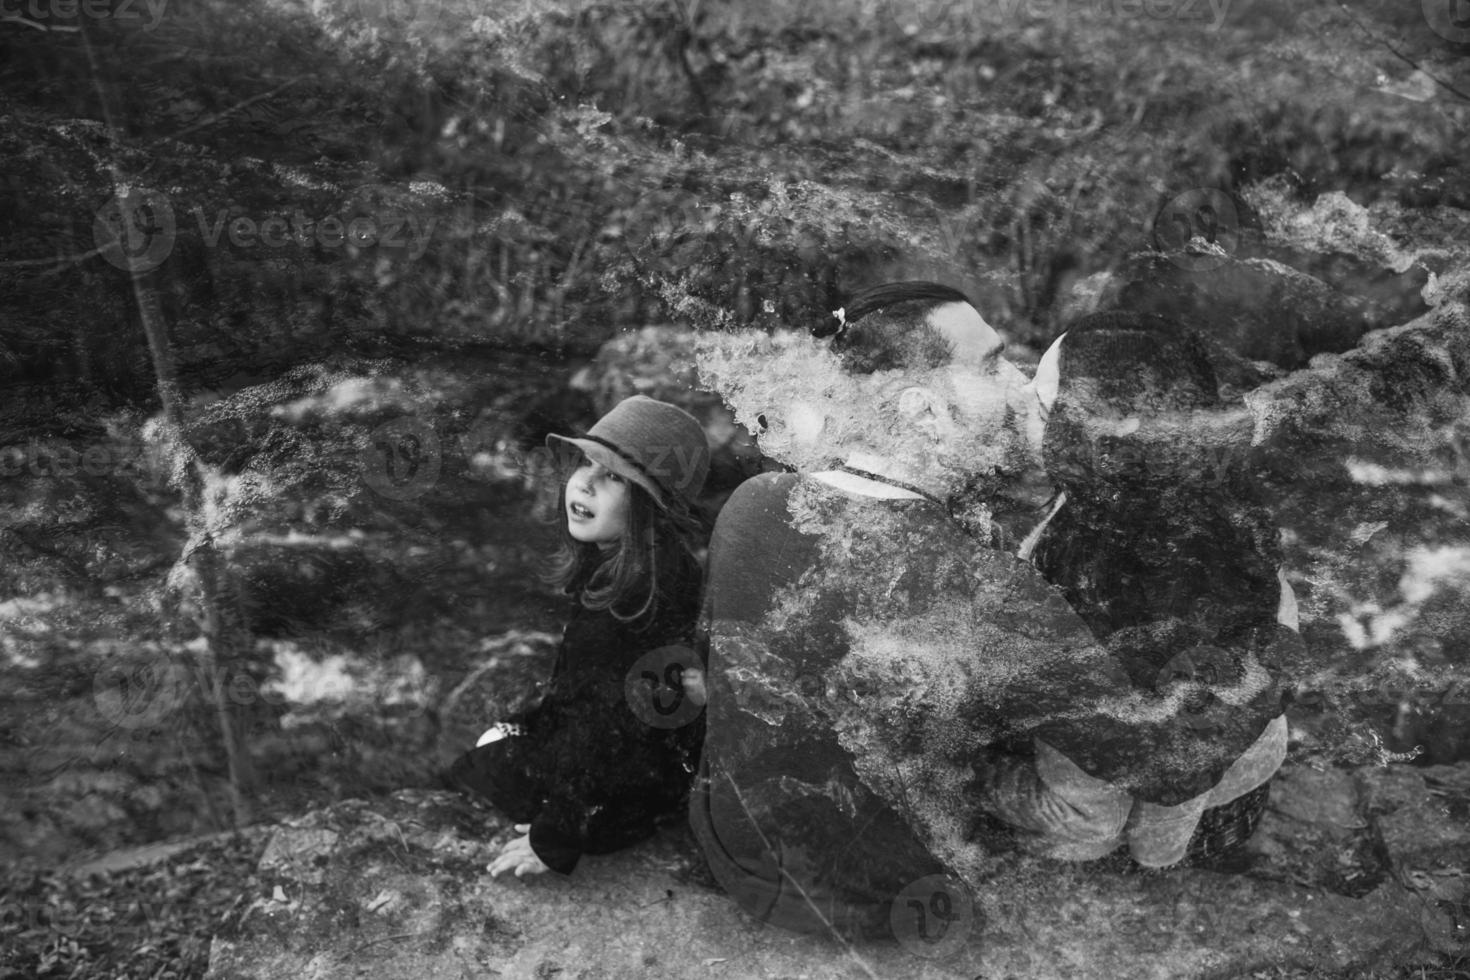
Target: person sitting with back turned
<point x="865" y="652"/>
<point x="886" y="687"/>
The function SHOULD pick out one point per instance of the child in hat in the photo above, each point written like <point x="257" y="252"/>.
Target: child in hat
<point x="604" y="755"/>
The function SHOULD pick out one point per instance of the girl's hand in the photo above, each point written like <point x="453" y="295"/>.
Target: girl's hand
<point x="517" y="856"/>
<point x="693" y="680"/>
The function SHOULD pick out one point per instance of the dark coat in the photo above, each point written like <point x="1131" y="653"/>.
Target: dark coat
<point x="588" y="774"/>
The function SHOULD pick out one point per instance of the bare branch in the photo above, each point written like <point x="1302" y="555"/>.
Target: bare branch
<point x="219" y="116"/>
<point x="1399" y="54"/>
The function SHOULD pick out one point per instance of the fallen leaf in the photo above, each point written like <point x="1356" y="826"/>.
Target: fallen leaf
<point x="384" y="897"/>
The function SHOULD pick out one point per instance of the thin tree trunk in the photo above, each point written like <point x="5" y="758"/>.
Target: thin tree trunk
<point x="218" y="620"/>
<point x="223" y="633"/>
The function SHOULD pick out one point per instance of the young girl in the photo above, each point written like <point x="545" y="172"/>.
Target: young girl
<point x="583" y="772"/>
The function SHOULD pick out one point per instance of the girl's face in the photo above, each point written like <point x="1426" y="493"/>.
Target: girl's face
<point x="597" y="505"/>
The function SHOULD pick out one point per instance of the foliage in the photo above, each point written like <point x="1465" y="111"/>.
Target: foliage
<point x="578" y="160"/>
<point x="567" y="169"/>
<point x="155" y="921"/>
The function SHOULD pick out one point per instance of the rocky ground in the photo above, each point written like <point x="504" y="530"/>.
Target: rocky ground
<point x="1358" y="869"/>
<point x="1361" y="870"/>
<point x="605" y="178"/>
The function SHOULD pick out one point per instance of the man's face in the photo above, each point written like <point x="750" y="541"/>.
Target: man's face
<point x="948" y="424"/>
<point x="987" y="393"/>
<point x="974" y="341"/>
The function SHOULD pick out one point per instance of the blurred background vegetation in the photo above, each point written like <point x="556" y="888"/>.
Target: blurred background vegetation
<point x="563" y="171"/>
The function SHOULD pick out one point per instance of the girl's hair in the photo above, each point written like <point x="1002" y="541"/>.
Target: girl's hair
<point x="651" y="566"/>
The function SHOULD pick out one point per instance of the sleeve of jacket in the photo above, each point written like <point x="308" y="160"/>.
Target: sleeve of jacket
<point x="556" y="838"/>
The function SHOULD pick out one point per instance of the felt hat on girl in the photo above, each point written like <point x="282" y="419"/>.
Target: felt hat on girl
<point x="658" y="446"/>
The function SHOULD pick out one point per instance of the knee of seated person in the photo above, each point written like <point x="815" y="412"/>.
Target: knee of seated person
<point x="1163" y="848"/>
<point x="1071" y="834"/>
<point x="1158" y="836"/>
<point x="1151" y="855"/>
<point x="1071" y="818"/>
<point x="1255" y="767"/>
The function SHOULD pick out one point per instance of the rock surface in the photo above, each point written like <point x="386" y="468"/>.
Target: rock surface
<point x="1350" y="868"/>
<point x="1361" y="458"/>
<point x="1262" y="309"/>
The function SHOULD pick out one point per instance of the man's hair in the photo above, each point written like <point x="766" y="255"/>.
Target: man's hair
<point x="887" y="327"/>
